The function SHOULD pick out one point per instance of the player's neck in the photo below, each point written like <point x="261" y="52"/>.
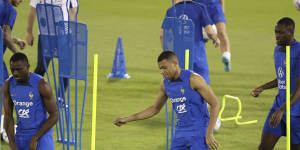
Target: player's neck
<point x="177" y="74"/>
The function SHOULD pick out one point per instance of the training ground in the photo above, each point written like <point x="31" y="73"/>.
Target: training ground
<point x="251" y="31"/>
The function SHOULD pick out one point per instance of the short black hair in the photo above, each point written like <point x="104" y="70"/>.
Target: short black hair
<point x="288" y="23"/>
<point x="166" y="55"/>
<point x="18" y="57"/>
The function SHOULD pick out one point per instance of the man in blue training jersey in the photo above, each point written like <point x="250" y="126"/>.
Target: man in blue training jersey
<point x="216" y="10"/>
<point x="200" y="19"/>
<point x="275" y="125"/>
<point x="8" y="16"/>
<point x="189" y="94"/>
<point x="32" y="98"/>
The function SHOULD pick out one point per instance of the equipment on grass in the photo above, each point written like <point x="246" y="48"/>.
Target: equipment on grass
<point x="119" y="66"/>
<point x="297" y="4"/>
<point x="238" y="114"/>
<point x="66" y="41"/>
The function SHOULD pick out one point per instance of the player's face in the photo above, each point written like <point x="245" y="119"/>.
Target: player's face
<point x="16" y="3"/>
<point x="167" y="69"/>
<point x="283" y="35"/>
<point x="20" y="70"/>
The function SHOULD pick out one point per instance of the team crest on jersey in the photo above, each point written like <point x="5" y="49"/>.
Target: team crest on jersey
<point x="30" y="95"/>
<point x="280" y="72"/>
<point x="182" y="90"/>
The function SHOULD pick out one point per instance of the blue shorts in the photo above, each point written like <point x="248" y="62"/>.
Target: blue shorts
<point x="280" y="130"/>
<point x="44" y="143"/>
<point x="216" y="13"/>
<point x="189" y="143"/>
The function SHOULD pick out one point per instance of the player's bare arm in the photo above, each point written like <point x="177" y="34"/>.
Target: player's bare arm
<point x="162" y="38"/>
<point x="199" y="84"/>
<point x="9" y="120"/>
<point x="269" y="85"/>
<point x="148" y="112"/>
<point x="31" y="19"/>
<point x="51" y="107"/>
<point x="212" y="35"/>
<point x="8" y="39"/>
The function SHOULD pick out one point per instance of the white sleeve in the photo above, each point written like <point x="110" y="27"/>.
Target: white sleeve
<point x="33" y="3"/>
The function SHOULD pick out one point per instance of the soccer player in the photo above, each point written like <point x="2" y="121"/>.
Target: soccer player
<point x="32" y="98"/>
<point x="198" y="14"/>
<point x="8" y="16"/>
<point x="31" y="18"/>
<point x="216" y="9"/>
<point x="275" y="125"/>
<point x="189" y="94"/>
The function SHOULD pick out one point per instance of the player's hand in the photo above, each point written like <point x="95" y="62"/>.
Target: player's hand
<point x="211" y="141"/>
<point x="33" y="143"/>
<point x="216" y="43"/>
<point x="226" y="61"/>
<point x="255" y="92"/>
<point x="276" y="118"/>
<point x="13" y="147"/>
<point x="29" y="39"/>
<point x="21" y="44"/>
<point x="120" y="121"/>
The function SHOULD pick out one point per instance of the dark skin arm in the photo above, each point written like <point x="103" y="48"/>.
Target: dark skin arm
<point x="198" y="83"/>
<point x="148" y="112"/>
<point x="10" y="41"/>
<point x="277" y="116"/>
<point x="272" y="84"/>
<point x="8" y="117"/>
<point x="51" y="107"/>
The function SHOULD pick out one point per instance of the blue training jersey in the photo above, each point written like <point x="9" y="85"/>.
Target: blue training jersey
<point x="29" y="105"/>
<point x="280" y="67"/>
<point x="190" y="107"/>
<point x="198" y="14"/>
<point x="8" y="15"/>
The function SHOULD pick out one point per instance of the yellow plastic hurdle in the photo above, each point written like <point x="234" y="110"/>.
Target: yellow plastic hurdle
<point x="238" y="115"/>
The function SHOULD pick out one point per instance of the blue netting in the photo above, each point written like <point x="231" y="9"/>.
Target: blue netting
<point x="1" y="59"/>
<point x="48" y="16"/>
<point x="178" y="37"/>
<point x="72" y="50"/>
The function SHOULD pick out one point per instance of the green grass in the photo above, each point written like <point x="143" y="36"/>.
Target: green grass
<point x="251" y="31"/>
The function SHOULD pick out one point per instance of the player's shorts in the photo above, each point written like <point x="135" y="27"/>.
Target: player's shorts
<point x="280" y="130"/>
<point x="216" y="13"/>
<point x="295" y="130"/>
<point x="44" y="143"/>
<point x="189" y="143"/>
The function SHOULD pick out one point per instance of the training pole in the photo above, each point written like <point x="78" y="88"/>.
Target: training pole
<point x="94" y="102"/>
<point x="288" y="111"/>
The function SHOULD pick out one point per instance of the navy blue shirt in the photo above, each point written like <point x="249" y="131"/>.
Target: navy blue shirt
<point x="190" y="107"/>
<point x="30" y="109"/>
<point x="280" y="67"/>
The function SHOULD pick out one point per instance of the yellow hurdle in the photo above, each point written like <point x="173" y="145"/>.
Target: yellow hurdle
<point x="238" y="115"/>
<point x="94" y="102"/>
